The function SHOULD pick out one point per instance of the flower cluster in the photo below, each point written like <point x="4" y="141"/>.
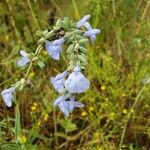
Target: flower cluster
<point x="75" y="83"/>
<point x="71" y="81"/>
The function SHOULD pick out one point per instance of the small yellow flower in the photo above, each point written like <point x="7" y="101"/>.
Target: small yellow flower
<point x="7" y="38"/>
<point x="31" y="75"/>
<point x="107" y="59"/>
<point x="44" y="53"/>
<point x="39" y="123"/>
<point x="112" y="115"/>
<point x="96" y="134"/>
<point x="46" y="116"/>
<point x="91" y="100"/>
<point x="132" y="111"/>
<point x="124" y="95"/>
<point x="103" y="88"/>
<point x="97" y="46"/>
<point x="35" y="104"/>
<point x="33" y="108"/>
<point x="22" y="139"/>
<point x="83" y="113"/>
<point x="105" y="105"/>
<point x="91" y="108"/>
<point x="106" y="99"/>
<point x="124" y="111"/>
<point x="100" y="148"/>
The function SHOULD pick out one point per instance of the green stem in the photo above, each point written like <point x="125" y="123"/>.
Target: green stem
<point x="129" y="116"/>
<point x="17" y="123"/>
<point x="31" y="64"/>
<point x="12" y="19"/>
<point x="33" y="14"/>
<point x="17" y="111"/>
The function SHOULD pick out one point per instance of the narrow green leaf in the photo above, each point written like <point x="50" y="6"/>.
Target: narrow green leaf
<point x="17" y="123"/>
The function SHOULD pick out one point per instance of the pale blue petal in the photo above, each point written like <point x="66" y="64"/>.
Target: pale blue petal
<point x="53" y="51"/>
<point x="77" y="69"/>
<point x="58" y="81"/>
<point x="8" y="99"/>
<point x="87" y="26"/>
<point x="82" y="21"/>
<point x="48" y="45"/>
<point x="71" y="104"/>
<point x="59" y="41"/>
<point x="77" y="83"/>
<point x="55" y="56"/>
<point x="7" y="95"/>
<point x="23" y="61"/>
<point x="64" y="108"/>
<point x="23" y="53"/>
<point x="58" y="84"/>
<point x="61" y="75"/>
<point x="62" y="104"/>
<point x="78" y="104"/>
<point x="93" y="37"/>
<point x="7" y="91"/>
<point x="92" y="32"/>
<point x="59" y="99"/>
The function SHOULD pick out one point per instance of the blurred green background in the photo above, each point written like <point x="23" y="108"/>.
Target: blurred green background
<point x="117" y="105"/>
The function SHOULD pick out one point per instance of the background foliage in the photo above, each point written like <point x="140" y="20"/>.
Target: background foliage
<point x="117" y="105"/>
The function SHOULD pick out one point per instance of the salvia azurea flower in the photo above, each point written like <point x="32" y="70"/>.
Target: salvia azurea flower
<point x="58" y="81"/>
<point x="24" y="59"/>
<point x="76" y="82"/>
<point x="82" y="21"/>
<point x="7" y="95"/>
<point x="54" y="48"/>
<point x="88" y="27"/>
<point x="65" y="106"/>
<point x="92" y="33"/>
<point x="59" y="41"/>
<point x="73" y="104"/>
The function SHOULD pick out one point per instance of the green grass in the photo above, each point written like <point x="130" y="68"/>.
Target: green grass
<point x="117" y="105"/>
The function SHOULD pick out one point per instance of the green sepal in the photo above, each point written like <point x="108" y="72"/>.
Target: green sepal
<point x="70" y="67"/>
<point x="50" y="34"/>
<point x="83" y="41"/>
<point x="83" y="50"/>
<point x="82" y="58"/>
<point x="41" y="64"/>
<point x="70" y="49"/>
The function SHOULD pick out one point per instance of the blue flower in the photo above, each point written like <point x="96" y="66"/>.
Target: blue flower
<point x="67" y="107"/>
<point x="72" y="104"/>
<point x="88" y="27"/>
<point x="76" y="82"/>
<point x="62" y="104"/>
<point x="59" y="41"/>
<point x="82" y="21"/>
<point x="7" y="95"/>
<point x="54" y="48"/>
<point x="24" y="59"/>
<point x="91" y="32"/>
<point x="58" y="81"/>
